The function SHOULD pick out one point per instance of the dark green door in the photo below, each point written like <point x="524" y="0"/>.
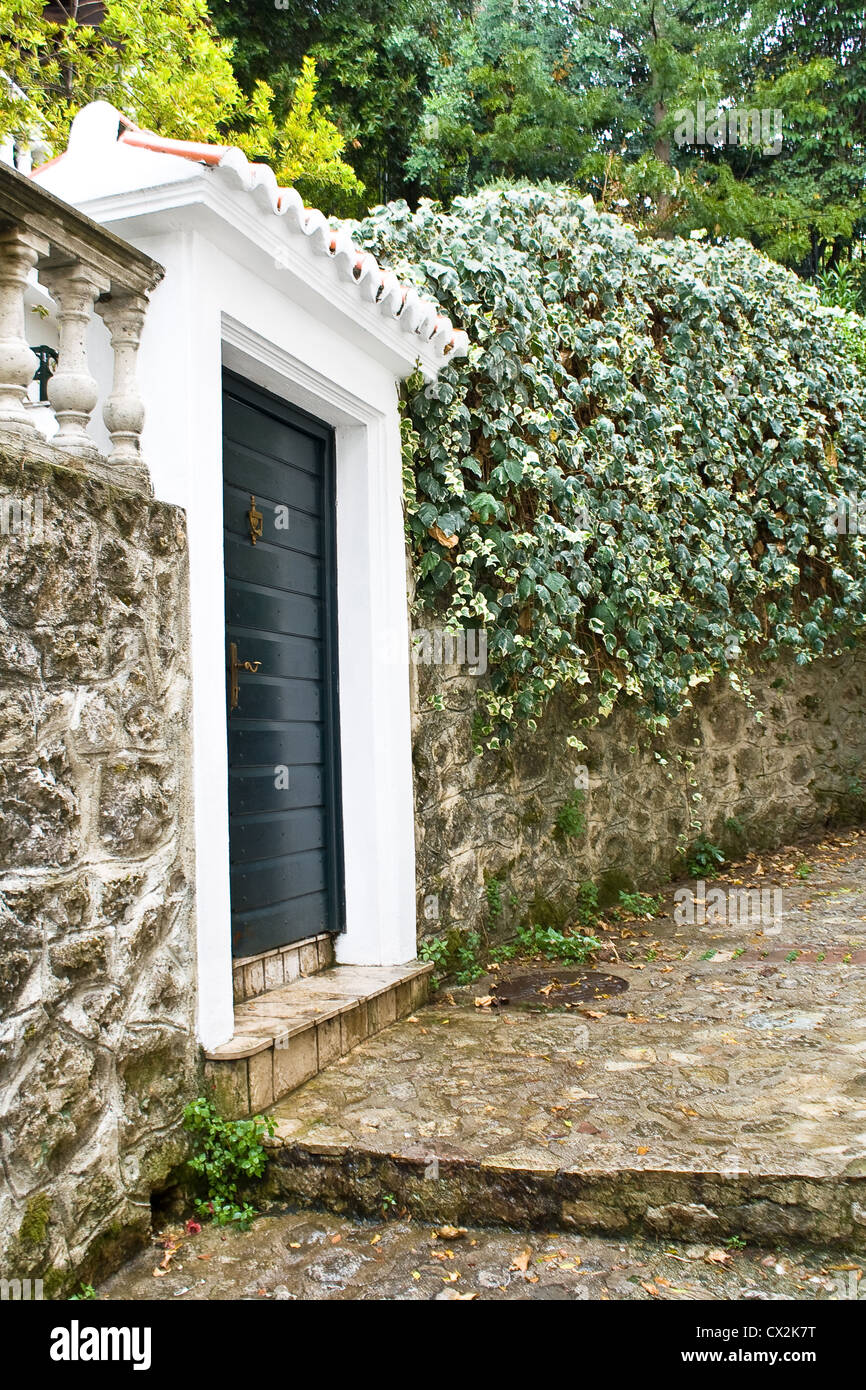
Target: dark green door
<point x="281" y="662"/>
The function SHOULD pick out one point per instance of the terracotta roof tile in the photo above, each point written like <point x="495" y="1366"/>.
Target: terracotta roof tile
<point x="394" y="299"/>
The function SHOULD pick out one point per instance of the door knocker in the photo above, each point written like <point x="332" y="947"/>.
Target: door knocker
<point x="256" y="521"/>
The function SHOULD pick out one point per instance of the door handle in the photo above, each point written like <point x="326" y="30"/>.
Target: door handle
<point x="234" y="667"/>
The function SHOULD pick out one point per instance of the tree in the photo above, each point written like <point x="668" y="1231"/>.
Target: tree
<point x="158" y="60"/>
<point x="305" y="148"/>
<point x="594" y="93"/>
<point x="500" y="106"/>
<point x="374" y="58"/>
<point x="164" y="65"/>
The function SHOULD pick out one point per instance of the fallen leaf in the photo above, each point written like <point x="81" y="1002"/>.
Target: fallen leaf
<point x="484" y="1001"/>
<point x="650" y="1288"/>
<point x="521" y="1262"/>
<point x="204" y="1257"/>
<point x="643" y="1151"/>
<point x="451" y="1232"/>
<point x="718" y="1257"/>
<point x="335" y="1240"/>
<point x="438" y="534"/>
<point x="158" y="1273"/>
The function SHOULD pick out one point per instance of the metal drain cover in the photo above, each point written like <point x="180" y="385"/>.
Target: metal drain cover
<point x="552" y="988"/>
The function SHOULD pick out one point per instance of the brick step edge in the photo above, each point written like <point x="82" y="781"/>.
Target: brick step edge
<point x="248" y="1085"/>
<point x="698" y="1207"/>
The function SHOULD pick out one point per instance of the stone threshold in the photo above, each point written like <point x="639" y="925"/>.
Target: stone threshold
<point x="255" y="975"/>
<point x="285" y="1036"/>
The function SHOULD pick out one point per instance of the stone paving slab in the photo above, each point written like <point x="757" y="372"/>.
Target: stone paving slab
<point x="319" y="1256"/>
<point x="723" y="1092"/>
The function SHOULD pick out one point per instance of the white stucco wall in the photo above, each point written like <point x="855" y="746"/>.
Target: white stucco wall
<point x="238" y="292"/>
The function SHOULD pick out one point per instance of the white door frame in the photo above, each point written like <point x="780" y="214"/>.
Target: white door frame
<point x="374" y="710"/>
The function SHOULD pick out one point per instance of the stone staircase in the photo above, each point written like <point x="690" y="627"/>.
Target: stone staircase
<point x="313" y="1013"/>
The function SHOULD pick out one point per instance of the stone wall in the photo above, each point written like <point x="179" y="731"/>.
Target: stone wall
<point x="97" y="1050"/>
<point x="747" y="782"/>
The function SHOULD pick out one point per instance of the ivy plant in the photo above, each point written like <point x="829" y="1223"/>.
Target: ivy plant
<point x="638" y="457"/>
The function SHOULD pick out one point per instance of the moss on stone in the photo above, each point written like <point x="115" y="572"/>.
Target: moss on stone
<point x="550" y="912"/>
<point x="610" y="884"/>
<point x="34" y="1223"/>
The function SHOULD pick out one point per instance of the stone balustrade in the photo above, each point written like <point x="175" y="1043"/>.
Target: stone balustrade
<point x="85" y="269"/>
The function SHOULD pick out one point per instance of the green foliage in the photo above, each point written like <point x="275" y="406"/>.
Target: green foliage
<point x="586" y="906"/>
<point x="570" y="819"/>
<point x="804" y="870"/>
<point x="442" y="96"/>
<point x="639" y="904"/>
<point x="229" y="1154"/>
<point x="556" y="945"/>
<point x="843" y="288"/>
<point x="85" y="1293"/>
<point x="468" y="964"/>
<point x="436" y="950"/>
<point x="463" y="957"/>
<point x="493" y="893"/>
<point x="456" y="954"/>
<point x="304" y="148"/>
<point x="638" y="457"/>
<point x="703" y="858"/>
<point x="595" y="94"/>
<point x="162" y="63"/>
<point x="158" y="60"/>
<point x="374" y="59"/>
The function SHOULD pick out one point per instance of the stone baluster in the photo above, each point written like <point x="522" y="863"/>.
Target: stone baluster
<point x="72" y="391"/>
<point x="19" y="251"/>
<point x="123" y="412"/>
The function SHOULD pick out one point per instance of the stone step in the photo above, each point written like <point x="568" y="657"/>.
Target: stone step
<point x="255" y="975"/>
<point x="692" y="1112"/>
<point x="286" y="1035"/>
